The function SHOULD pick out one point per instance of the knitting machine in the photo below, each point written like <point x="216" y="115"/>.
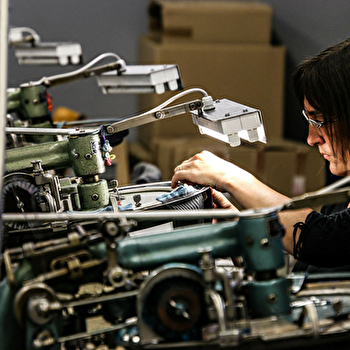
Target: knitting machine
<point x="89" y="265"/>
<point x="102" y="285"/>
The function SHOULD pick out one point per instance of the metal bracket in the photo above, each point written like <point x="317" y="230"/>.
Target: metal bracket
<point x="152" y="116"/>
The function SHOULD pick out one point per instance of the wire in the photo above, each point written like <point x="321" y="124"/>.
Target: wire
<point x="80" y="70"/>
<point x="15" y="30"/>
<point x="172" y="99"/>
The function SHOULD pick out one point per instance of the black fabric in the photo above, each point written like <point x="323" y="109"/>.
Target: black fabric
<point x="324" y="241"/>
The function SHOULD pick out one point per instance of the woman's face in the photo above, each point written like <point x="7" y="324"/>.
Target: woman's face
<point x="320" y="138"/>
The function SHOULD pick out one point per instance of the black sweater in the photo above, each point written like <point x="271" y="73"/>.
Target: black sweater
<point x="324" y="240"/>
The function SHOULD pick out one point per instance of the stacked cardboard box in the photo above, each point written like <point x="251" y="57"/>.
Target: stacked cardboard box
<point x="210" y="21"/>
<point x="223" y="47"/>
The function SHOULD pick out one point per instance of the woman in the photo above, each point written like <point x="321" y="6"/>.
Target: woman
<point x="322" y="86"/>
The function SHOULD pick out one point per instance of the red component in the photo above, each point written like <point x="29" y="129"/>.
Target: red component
<point x="108" y="161"/>
<point x="49" y="102"/>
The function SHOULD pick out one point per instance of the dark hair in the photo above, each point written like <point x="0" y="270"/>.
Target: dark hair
<point x="324" y="81"/>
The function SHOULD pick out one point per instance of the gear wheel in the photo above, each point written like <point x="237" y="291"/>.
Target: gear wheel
<point x="20" y="195"/>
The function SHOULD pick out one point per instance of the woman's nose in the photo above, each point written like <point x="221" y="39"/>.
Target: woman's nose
<point x="314" y="136"/>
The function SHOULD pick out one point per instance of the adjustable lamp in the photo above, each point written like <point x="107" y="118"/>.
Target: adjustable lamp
<point x="118" y="77"/>
<point x="223" y="119"/>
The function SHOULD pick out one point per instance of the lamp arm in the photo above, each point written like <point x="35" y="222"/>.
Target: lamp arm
<point x="152" y="116"/>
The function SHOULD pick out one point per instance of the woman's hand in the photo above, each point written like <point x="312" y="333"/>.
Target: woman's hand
<point x="220" y="201"/>
<point x="204" y="168"/>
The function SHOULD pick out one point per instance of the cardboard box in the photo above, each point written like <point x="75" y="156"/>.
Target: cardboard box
<point x="210" y="21"/>
<point x="249" y="74"/>
<point x="291" y="168"/>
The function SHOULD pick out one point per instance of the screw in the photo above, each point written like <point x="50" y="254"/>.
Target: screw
<point x="110" y="129"/>
<point x="159" y="115"/>
<point x="192" y="106"/>
<point x="95" y="197"/>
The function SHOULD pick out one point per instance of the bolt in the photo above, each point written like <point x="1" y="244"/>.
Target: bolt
<point x="265" y="243"/>
<point x="111" y="228"/>
<point x="272" y="298"/>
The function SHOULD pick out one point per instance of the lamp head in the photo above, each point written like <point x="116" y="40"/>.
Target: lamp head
<point x="229" y="121"/>
<point x="30" y="50"/>
<point x="141" y="79"/>
<point x="61" y="54"/>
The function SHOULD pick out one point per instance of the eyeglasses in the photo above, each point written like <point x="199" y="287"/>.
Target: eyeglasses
<point x="317" y="124"/>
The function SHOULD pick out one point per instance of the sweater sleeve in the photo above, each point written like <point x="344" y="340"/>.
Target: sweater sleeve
<point x="324" y="239"/>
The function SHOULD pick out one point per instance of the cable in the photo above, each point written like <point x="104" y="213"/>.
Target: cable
<point x="13" y="32"/>
<point x="172" y="99"/>
<point x="80" y="70"/>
